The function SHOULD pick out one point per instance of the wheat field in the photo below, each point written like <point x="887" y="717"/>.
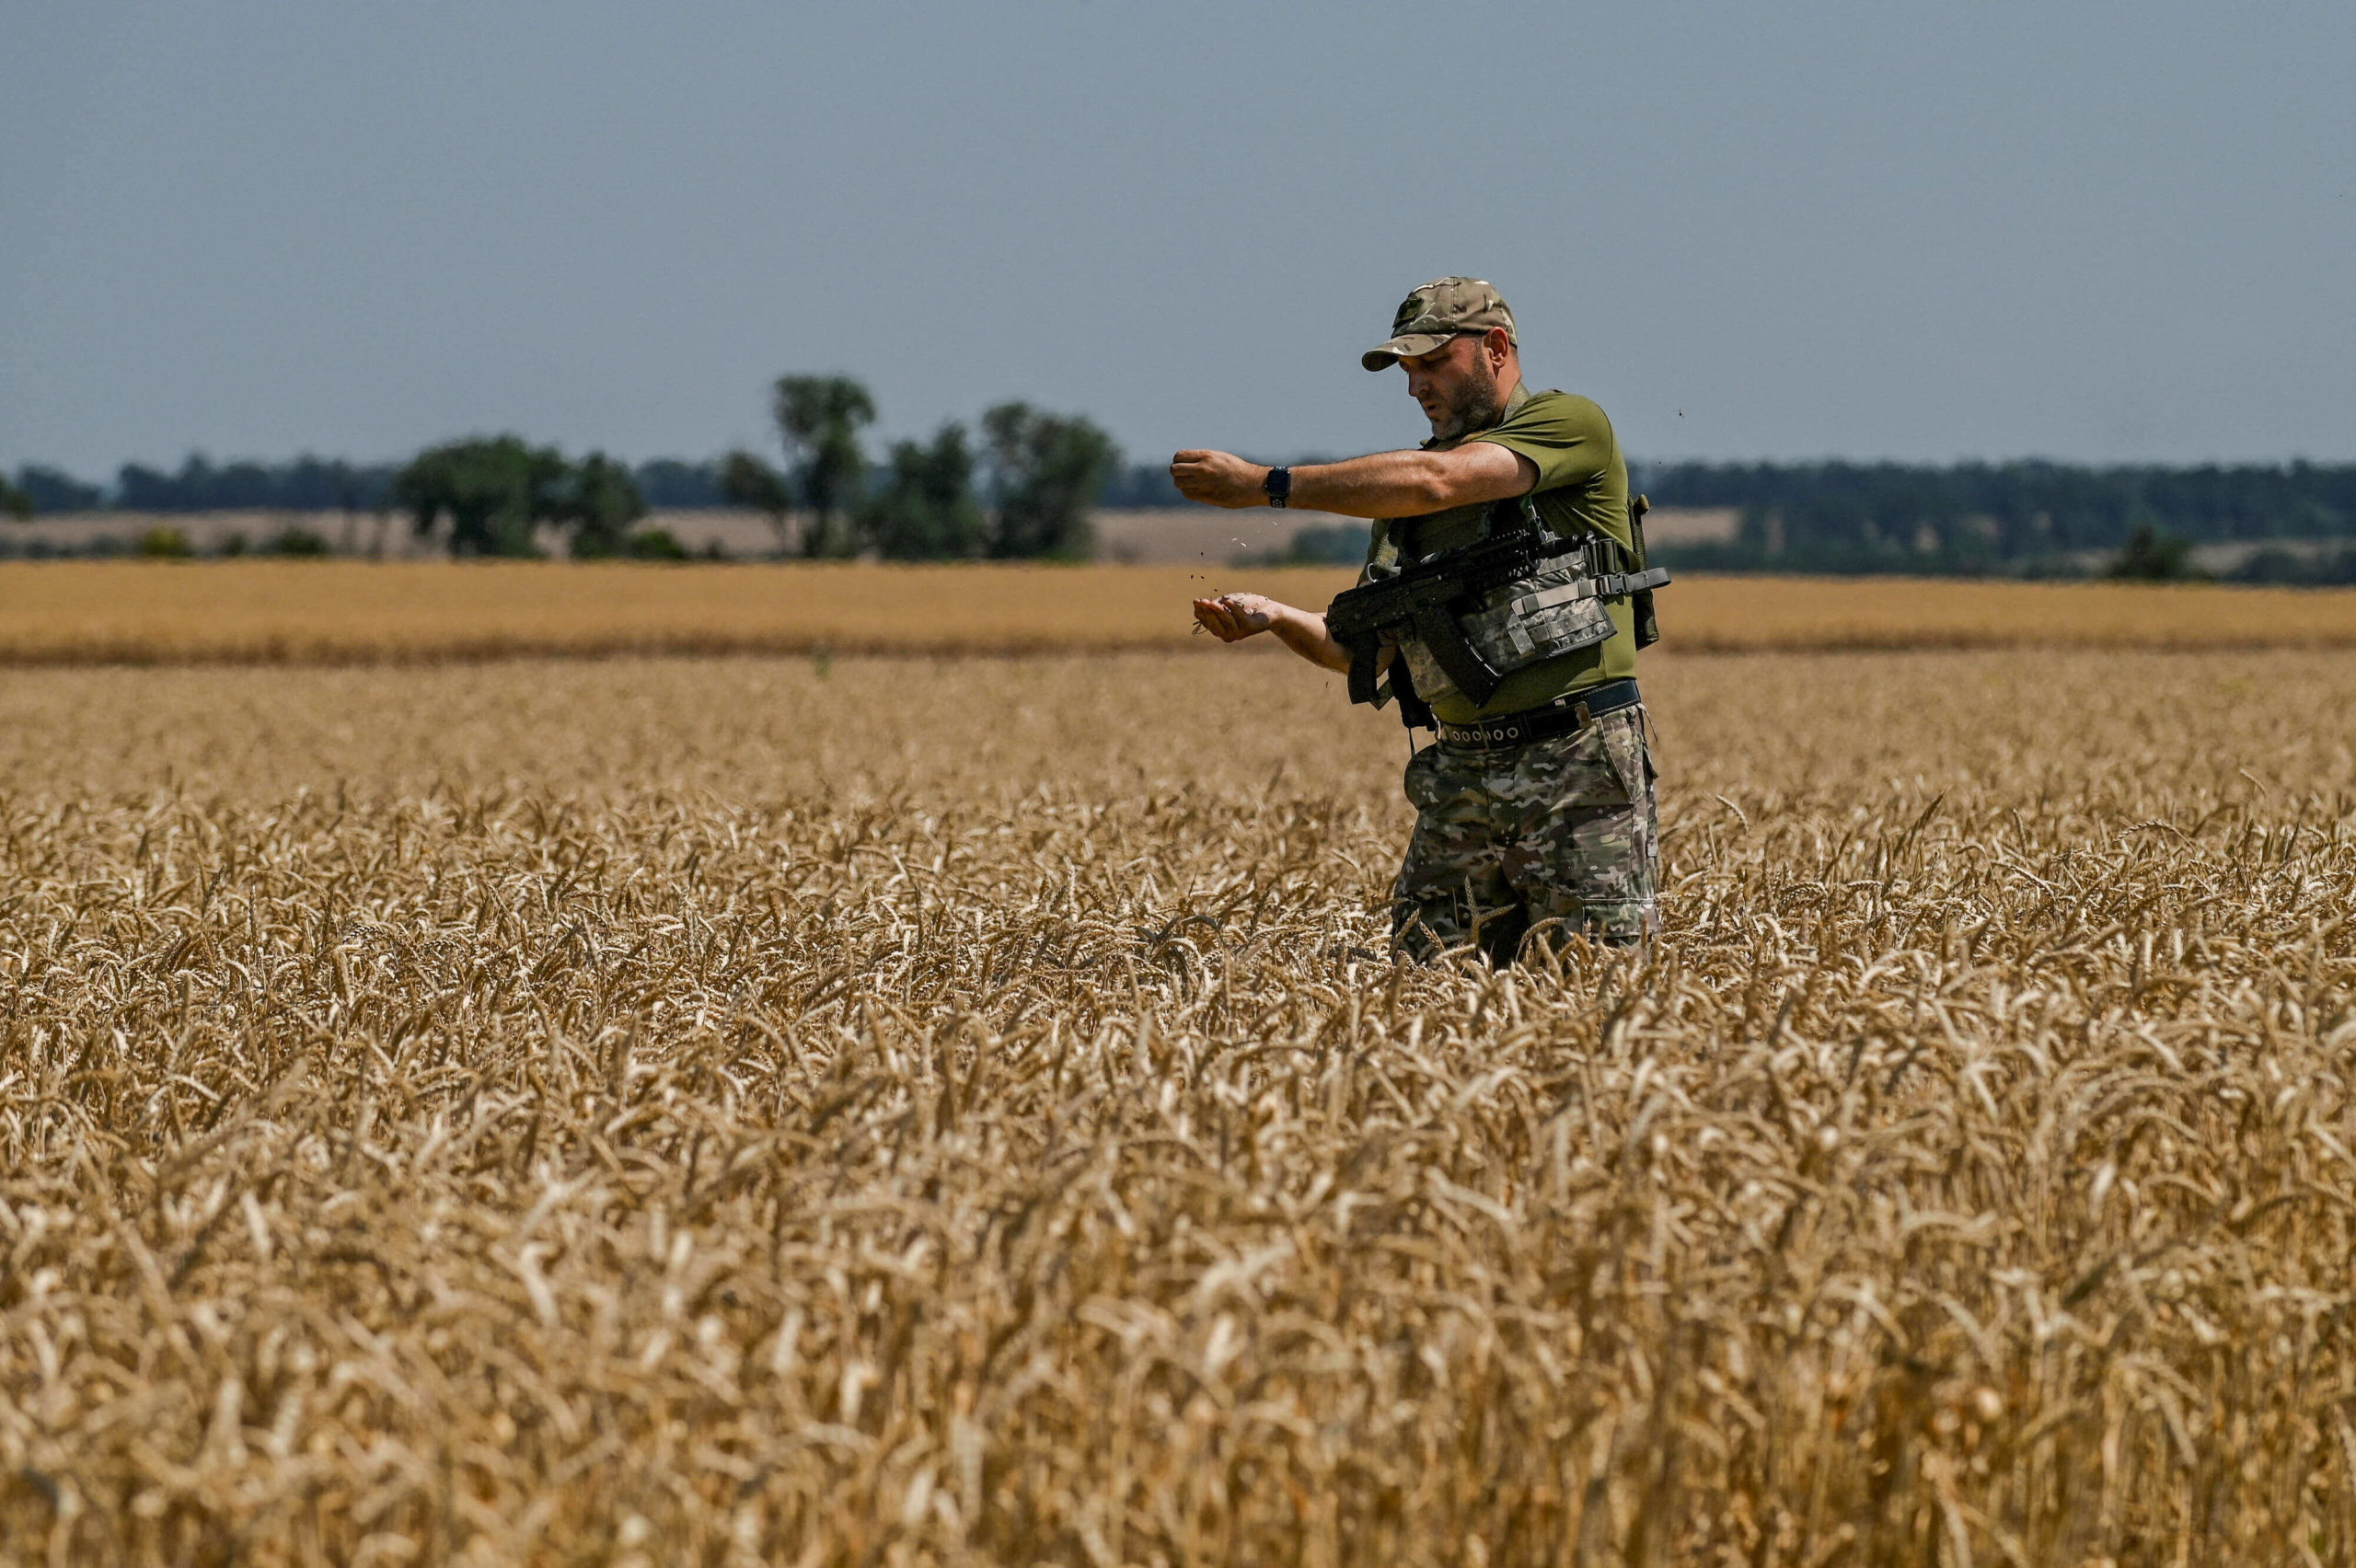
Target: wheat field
<point x="912" y="1110"/>
<point x="300" y="612"/>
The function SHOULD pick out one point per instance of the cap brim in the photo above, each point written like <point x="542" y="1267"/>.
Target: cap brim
<point x="1382" y="355"/>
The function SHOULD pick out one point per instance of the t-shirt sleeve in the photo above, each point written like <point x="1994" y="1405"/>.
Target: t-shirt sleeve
<point x="1567" y="437"/>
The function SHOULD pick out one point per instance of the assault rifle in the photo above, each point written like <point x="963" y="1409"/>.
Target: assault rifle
<point x="1424" y="597"/>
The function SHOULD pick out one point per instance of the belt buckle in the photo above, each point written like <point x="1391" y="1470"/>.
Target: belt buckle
<point x="1575" y="706"/>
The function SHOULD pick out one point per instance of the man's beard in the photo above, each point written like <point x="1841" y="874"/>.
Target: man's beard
<point x="1474" y="404"/>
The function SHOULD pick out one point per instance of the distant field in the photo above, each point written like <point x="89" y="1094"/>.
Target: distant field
<point x="1169" y="536"/>
<point x="1198" y="536"/>
<point x="360" y="612"/>
<point x="1190" y="535"/>
<point x="377" y="534"/>
<point x="357" y="612"/>
<point x="1163" y="535"/>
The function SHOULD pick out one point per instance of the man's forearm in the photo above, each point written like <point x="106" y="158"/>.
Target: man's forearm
<point x="1304" y="632"/>
<point x="1383" y="484"/>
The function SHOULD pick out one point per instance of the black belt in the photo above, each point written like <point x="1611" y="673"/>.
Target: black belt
<point x="1563" y="716"/>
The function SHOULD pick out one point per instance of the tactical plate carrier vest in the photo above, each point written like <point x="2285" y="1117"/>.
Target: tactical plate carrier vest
<point x="1464" y="618"/>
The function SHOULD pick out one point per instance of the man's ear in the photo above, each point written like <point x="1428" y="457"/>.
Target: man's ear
<point x="1497" y="342"/>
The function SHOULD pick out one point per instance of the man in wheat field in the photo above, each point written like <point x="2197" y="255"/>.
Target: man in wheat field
<point x="1535" y="812"/>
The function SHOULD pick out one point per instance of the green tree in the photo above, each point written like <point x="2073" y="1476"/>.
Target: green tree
<point x="53" y="489"/>
<point x="495" y="491"/>
<point x="599" y="501"/>
<point x="748" y="482"/>
<point x="14" y="501"/>
<point x="926" y="510"/>
<point x="2153" y="556"/>
<point x="656" y="544"/>
<point x="290" y="542"/>
<point x="1045" y="470"/>
<point x="819" y="419"/>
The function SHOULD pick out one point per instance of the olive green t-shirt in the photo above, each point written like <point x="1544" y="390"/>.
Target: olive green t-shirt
<point x="1582" y="488"/>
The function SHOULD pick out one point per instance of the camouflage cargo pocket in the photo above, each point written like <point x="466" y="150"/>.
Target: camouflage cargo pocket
<point x="1602" y="765"/>
<point x="1623" y="734"/>
<point x="1428" y="786"/>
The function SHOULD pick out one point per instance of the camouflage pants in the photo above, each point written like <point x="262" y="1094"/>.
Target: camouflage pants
<point x="1553" y="836"/>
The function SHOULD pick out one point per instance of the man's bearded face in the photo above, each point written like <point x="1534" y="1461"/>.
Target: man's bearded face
<point x="1460" y="394"/>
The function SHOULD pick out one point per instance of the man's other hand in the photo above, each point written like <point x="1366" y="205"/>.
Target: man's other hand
<point x="1231" y="617"/>
<point x="1220" y="478"/>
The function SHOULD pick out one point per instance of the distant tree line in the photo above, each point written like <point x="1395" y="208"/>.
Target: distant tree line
<point x="1984" y="517"/>
<point x="497" y="492"/>
<point x="1020" y="490"/>
<point x="1020" y="483"/>
<point x="311" y="484"/>
<point x="308" y="484"/>
<point x="1019" y="487"/>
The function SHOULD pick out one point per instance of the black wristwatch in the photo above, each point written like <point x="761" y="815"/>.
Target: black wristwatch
<point x="1279" y="484"/>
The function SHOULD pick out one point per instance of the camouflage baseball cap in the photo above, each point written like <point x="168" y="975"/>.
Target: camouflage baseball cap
<point x="1436" y="313"/>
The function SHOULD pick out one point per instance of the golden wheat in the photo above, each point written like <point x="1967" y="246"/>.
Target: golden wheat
<point x="362" y="612"/>
<point x="757" y="1111"/>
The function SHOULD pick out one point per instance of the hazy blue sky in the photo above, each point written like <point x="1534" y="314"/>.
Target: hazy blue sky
<point x="2091" y="232"/>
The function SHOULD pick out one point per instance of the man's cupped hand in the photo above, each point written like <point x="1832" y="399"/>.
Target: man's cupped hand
<point x="1231" y="617"/>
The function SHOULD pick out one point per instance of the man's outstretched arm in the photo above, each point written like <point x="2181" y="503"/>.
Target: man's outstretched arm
<point x="1385" y="484"/>
<point x="1231" y="617"/>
